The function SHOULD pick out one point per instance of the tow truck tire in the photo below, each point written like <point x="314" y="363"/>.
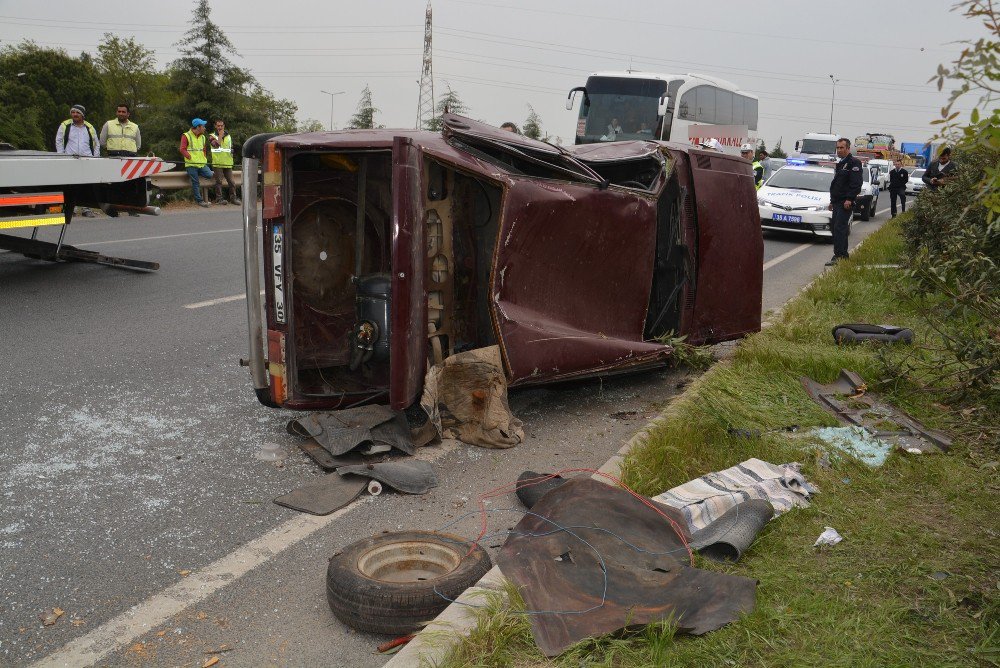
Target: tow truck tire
<point x="393" y="582"/>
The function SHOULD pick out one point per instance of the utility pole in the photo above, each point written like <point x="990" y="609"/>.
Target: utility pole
<point x="425" y="105"/>
<point x="339" y="92"/>
<point x="833" y="96"/>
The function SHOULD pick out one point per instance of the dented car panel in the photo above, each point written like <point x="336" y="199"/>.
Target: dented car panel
<point x="400" y="248"/>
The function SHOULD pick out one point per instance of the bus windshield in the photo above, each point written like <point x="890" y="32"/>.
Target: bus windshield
<point x="819" y="146"/>
<point x="618" y="109"/>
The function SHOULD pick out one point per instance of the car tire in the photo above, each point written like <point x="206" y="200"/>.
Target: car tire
<point x="393" y="582"/>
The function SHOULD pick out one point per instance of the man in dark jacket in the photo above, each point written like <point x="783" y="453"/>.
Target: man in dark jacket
<point x="898" y="178"/>
<point x="844" y="189"/>
<point x="940" y="171"/>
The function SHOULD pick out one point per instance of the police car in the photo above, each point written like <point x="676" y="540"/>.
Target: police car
<point x="796" y="198"/>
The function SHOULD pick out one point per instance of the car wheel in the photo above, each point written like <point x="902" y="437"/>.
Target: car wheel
<point x="865" y="212"/>
<point x="392" y="582"/>
<point x="874" y="207"/>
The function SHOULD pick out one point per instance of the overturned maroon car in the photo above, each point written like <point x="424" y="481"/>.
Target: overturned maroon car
<point x="382" y="252"/>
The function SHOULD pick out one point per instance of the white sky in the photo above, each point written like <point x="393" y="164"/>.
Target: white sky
<point x="500" y="56"/>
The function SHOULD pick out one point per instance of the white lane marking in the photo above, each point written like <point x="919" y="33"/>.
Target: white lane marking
<point x="220" y="300"/>
<point x="121" y="631"/>
<point x="165" y="236"/>
<point x="125" y="628"/>
<point x="784" y="256"/>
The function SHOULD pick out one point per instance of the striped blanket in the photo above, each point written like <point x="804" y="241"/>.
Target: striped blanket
<point x="705" y="499"/>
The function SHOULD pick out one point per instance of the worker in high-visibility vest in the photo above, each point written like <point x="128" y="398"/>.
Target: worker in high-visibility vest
<point x="120" y="136"/>
<point x="76" y="136"/>
<point x="222" y="162"/>
<point x="194" y="148"/>
<point x="746" y="151"/>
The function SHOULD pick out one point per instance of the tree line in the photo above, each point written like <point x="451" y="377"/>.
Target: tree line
<point x="38" y="85"/>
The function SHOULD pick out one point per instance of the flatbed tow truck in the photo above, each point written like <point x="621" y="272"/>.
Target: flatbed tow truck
<point x="40" y="189"/>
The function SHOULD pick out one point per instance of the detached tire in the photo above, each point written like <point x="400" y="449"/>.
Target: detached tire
<point x="386" y="584"/>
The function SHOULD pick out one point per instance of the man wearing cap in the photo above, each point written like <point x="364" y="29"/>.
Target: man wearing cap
<point x="194" y="148"/>
<point x="76" y="136"/>
<point x="222" y="162"/>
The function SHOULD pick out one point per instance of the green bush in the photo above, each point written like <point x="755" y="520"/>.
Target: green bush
<point x="953" y="239"/>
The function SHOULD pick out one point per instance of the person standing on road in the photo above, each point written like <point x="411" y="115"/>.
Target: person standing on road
<point x="222" y="162"/>
<point x="940" y="171"/>
<point x="898" y="178"/>
<point x="746" y="152"/>
<point x="194" y="148"/>
<point x="844" y="190"/>
<point x="76" y="136"/>
<point x="762" y="158"/>
<point x="120" y="136"/>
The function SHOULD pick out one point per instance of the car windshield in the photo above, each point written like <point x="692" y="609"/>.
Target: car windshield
<point x="801" y="179"/>
<point x="819" y="146"/>
<point x="917" y="173"/>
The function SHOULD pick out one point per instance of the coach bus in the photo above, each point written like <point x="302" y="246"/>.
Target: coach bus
<point x="688" y="108"/>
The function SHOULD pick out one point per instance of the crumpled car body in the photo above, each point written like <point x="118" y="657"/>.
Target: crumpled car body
<point x="381" y="252"/>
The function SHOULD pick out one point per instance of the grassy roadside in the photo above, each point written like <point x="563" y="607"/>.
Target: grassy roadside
<point x="915" y="582"/>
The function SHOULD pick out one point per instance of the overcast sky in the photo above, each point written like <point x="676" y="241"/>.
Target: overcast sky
<point x="501" y="56"/>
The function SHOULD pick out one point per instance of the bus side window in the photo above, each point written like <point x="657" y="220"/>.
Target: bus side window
<point x="738" y="116"/>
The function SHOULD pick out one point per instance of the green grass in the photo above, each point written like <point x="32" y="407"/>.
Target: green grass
<point x="877" y="599"/>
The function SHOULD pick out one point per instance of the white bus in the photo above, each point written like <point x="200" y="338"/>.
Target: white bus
<point x="689" y="108"/>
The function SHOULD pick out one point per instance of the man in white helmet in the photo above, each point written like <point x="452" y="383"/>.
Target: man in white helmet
<point x="746" y="151"/>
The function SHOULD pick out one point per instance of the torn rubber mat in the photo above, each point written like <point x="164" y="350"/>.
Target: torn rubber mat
<point x="591" y="559"/>
<point x="727" y="538"/>
<point x="323" y="496"/>
<point x="410" y="477"/>
<point x="849" y="400"/>
<point x="339" y="432"/>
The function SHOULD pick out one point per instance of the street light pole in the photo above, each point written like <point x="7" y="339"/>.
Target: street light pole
<point x="339" y="92"/>
<point x="833" y="96"/>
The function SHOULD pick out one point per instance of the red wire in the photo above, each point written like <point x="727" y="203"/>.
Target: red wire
<point x="528" y="482"/>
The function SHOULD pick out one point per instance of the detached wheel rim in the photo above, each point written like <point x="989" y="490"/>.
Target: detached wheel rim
<point x="410" y="561"/>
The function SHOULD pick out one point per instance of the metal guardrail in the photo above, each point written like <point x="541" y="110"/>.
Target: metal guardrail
<point x="179" y="180"/>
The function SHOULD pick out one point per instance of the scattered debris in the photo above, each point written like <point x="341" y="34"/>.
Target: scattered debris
<point x="210" y="662"/>
<point x="533" y="486"/>
<point x="860" y="332"/>
<point x="594" y="578"/>
<point x="711" y="496"/>
<point x="392" y="583"/>
<point x="849" y="400"/>
<point x="271" y="452"/>
<point x="410" y="477"/>
<point x="184" y="573"/>
<point x="623" y="415"/>
<point x="466" y="398"/>
<point x="323" y="496"/>
<point x="374" y="487"/>
<point x="52" y="616"/>
<point x="371" y="429"/>
<point x="394" y="646"/>
<point x="856" y="442"/>
<point x="727" y="538"/>
<point x="940" y="575"/>
<point x="828" y="537"/>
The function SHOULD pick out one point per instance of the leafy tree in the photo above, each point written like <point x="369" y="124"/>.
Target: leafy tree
<point x="37" y="88"/>
<point x="311" y="125"/>
<point x="129" y="73"/>
<point x="364" y="117"/>
<point x="532" y="127"/>
<point x="205" y="83"/>
<point x="449" y="102"/>
<point x="777" y="151"/>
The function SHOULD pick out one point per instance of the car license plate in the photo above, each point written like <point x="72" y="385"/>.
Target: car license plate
<point x="786" y="218"/>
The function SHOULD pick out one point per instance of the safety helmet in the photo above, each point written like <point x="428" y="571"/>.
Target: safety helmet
<point x="746" y="148"/>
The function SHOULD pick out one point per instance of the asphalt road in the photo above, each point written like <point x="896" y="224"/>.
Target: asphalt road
<point x="132" y="497"/>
